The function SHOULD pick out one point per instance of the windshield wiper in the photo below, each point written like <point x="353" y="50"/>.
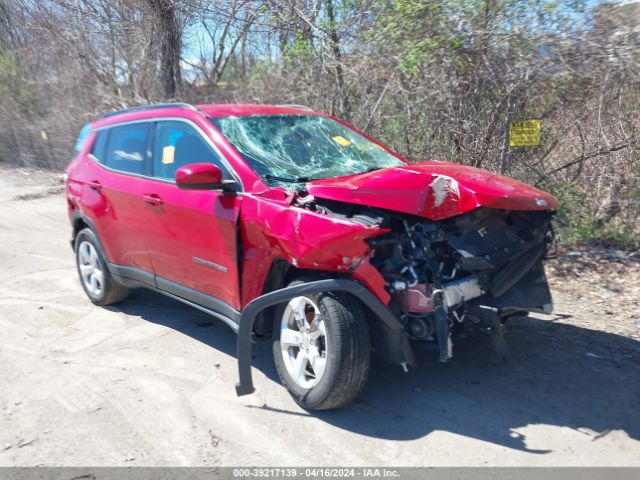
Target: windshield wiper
<point x="289" y="180"/>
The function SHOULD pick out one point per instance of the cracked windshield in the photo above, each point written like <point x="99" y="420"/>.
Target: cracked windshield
<point x="296" y="148"/>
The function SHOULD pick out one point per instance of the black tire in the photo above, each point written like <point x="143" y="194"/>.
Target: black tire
<point x="110" y="291"/>
<point x="348" y="353"/>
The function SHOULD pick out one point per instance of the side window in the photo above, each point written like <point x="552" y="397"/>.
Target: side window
<point x="99" y="145"/>
<point x="177" y="144"/>
<point x="126" y="148"/>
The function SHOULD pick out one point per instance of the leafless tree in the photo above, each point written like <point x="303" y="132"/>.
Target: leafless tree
<point x="437" y="80"/>
<point x="169" y="37"/>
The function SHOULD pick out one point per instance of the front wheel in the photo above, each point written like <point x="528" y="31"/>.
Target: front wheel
<point x="322" y="349"/>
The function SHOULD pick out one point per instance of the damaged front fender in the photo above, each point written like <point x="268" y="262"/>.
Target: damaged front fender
<point x="272" y="229"/>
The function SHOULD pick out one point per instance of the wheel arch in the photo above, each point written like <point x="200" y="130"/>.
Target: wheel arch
<point x="394" y="340"/>
<point x="80" y="222"/>
<point x="384" y="334"/>
<point x="281" y="273"/>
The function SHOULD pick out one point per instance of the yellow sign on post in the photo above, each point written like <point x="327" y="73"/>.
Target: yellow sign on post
<point x="524" y="133"/>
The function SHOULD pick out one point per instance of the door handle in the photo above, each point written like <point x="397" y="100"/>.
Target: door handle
<point x="95" y="185"/>
<point x="153" y="199"/>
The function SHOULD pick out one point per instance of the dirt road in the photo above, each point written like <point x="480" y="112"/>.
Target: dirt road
<point x="147" y="383"/>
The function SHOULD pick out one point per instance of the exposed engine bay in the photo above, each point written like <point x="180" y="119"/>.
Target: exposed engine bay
<point x="475" y="271"/>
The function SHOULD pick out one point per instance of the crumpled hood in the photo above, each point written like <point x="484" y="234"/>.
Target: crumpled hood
<point x="434" y="190"/>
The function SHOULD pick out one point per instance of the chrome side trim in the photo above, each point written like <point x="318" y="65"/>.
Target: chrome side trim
<point x="135" y="278"/>
<point x="213" y="265"/>
<point x="234" y="326"/>
<point x="207" y="301"/>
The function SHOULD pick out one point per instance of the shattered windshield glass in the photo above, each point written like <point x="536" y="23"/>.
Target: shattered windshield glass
<point x="297" y="148"/>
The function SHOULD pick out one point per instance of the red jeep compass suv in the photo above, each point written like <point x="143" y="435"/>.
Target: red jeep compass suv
<point x="287" y="223"/>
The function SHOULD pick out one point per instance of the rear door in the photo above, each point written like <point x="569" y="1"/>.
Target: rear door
<point x="113" y="196"/>
<point x="191" y="234"/>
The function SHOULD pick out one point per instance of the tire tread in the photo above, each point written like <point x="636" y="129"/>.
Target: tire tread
<point x="355" y="340"/>
<point x="352" y="345"/>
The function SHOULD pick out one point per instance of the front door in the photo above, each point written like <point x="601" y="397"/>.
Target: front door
<point x="191" y="234"/>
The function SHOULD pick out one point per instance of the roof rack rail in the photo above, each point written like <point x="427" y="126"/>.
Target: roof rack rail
<point x="153" y="106"/>
<point x="294" y="105"/>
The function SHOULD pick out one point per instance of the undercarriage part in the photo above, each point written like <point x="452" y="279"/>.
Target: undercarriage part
<point x="485" y="239"/>
<point x="530" y="294"/>
<point x="438" y="272"/>
<point x="414" y="299"/>
<point x="484" y="257"/>
<point x="514" y="271"/>
<point x="419" y="299"/>
<point x="462" y="290"/>
<point x="443" y="335"/>
<point x="420" y="328"/>
<point x="495" y="328"/>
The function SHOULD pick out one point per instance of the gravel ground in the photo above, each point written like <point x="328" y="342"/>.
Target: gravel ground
<point x="603" y="286"/>
<point x="150" y="381"/>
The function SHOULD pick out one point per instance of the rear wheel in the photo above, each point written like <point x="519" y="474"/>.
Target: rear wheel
<point x="322" y="349"/>
<point x="94" y="274"/>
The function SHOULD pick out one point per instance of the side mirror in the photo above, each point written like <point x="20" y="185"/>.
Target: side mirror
<point x="202" y="176"/>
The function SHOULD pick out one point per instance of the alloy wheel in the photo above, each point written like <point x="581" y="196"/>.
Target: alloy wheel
<point x="90" y="269"/>
<point x="303" y="342"/>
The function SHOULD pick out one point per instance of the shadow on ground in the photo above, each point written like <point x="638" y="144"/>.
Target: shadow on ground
<point x="556" y="374"/>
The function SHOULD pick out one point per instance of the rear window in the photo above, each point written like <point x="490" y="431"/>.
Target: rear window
<point x="126" y="148"/>
<point x="99" y="145"/>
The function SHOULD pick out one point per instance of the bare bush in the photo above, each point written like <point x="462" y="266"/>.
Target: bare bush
<point x="439" y="80"/>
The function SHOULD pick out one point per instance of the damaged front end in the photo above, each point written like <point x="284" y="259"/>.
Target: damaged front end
<point x="475" y="271"/>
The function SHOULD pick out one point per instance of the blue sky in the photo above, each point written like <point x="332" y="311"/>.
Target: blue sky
<point x="197" y="34"/>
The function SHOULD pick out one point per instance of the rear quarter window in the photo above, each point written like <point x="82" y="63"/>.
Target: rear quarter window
<point x="100" y="145"/>
<point x="126" y="148"/>
<point x="82" y="136"/>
